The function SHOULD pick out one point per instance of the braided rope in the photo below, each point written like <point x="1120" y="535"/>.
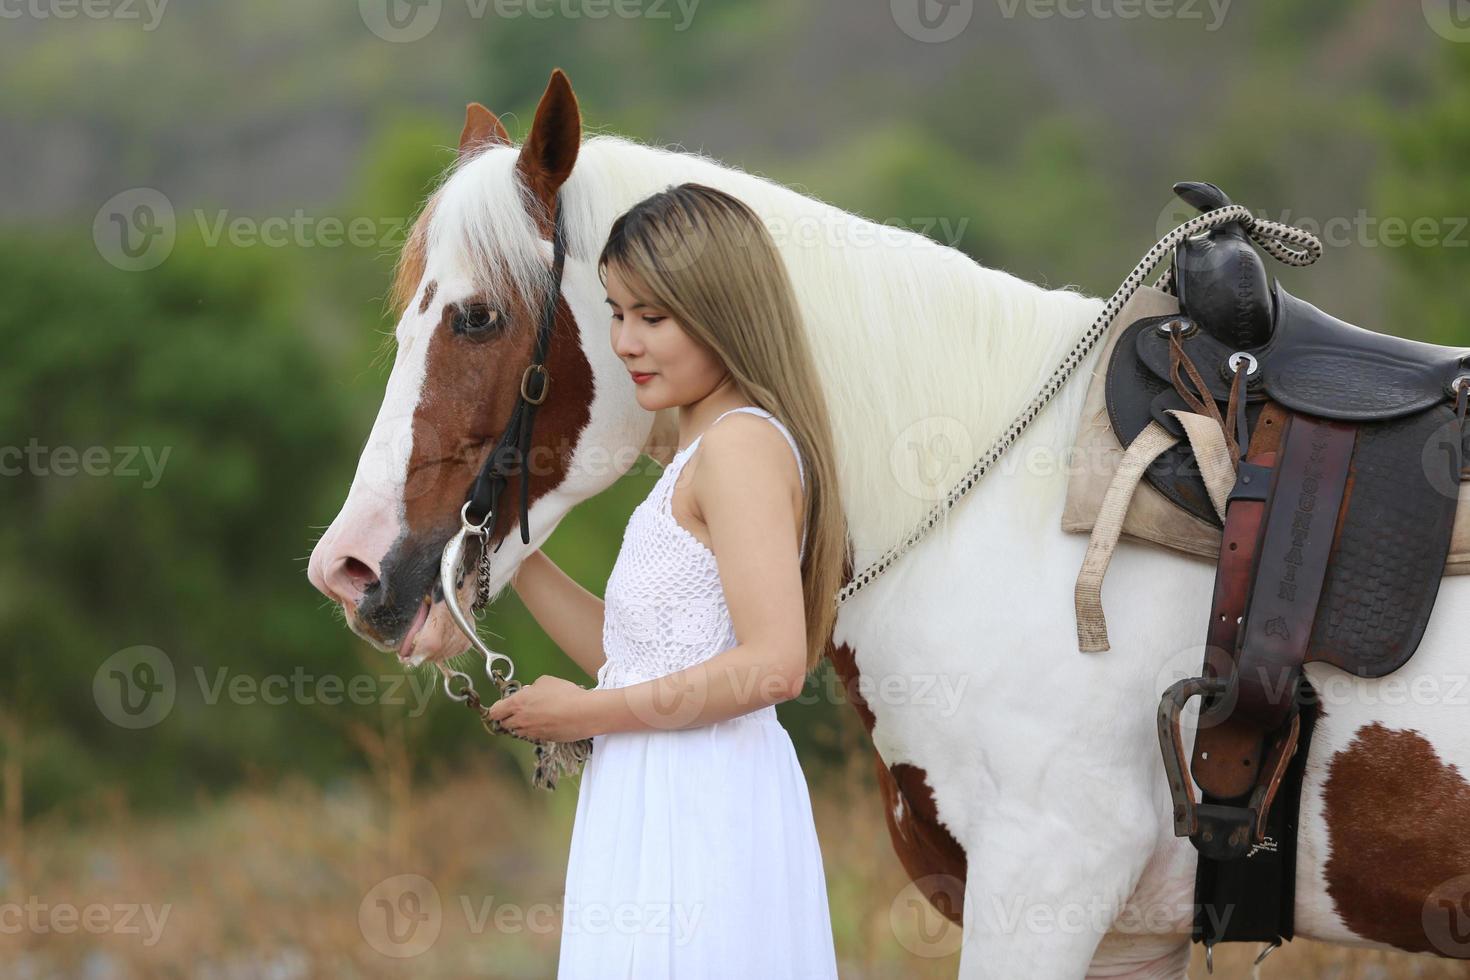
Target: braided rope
<point x="1285" y="243"/>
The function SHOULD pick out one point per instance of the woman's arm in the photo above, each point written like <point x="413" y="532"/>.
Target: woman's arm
<point x="744" y="487"/>
<point x="569" y="614"/>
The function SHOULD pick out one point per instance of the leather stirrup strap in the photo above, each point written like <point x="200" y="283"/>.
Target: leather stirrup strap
<point x="1301" y="525"/>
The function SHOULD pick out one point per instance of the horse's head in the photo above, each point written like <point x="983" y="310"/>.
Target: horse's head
<point x="472" y="282"/>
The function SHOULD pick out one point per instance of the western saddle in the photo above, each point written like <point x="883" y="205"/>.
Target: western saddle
<point x="1345" y="451"/>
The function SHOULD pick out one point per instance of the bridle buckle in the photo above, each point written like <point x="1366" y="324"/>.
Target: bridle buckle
<point x="545" y="383"/>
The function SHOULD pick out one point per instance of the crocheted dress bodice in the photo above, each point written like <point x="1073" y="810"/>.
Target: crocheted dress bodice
<point x="664" y="606"/>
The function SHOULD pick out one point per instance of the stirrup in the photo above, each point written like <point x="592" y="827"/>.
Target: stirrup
<point x="1218" y="831"/>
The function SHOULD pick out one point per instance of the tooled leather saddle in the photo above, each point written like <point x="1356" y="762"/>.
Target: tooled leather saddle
<point x="1348" y="449"/>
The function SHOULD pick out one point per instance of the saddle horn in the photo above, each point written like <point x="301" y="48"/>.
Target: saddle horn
<point x="1220" y="278"/>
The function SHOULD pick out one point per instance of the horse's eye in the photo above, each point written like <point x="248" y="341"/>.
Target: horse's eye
<point x="476" y="319"/>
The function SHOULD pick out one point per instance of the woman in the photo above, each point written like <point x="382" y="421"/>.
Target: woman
<point x="694" y="853"/>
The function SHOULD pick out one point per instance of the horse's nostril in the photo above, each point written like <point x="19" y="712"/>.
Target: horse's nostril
<point x="349" y="580"/>
<point x="359" y="574"/>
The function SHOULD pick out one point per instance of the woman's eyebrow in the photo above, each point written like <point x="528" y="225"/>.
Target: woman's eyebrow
<point x="635" y="306"/>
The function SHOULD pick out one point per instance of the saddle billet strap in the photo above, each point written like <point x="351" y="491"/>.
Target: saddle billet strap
<point x="1310" y="484"/>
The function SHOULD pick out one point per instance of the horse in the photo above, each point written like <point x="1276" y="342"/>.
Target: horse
<point x="1030" y="807"/>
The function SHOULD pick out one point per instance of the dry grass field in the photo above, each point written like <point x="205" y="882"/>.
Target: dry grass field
<point x="291" y="881"/>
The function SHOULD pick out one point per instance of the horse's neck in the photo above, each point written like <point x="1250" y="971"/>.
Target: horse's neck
<point x="912" y="427"/>
<point x="964" y="347"/>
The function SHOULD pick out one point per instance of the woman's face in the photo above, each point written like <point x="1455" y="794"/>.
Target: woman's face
<point x="649" y="341"/>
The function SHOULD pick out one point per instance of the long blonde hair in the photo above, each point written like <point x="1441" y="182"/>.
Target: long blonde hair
<point x="709" y="260"/>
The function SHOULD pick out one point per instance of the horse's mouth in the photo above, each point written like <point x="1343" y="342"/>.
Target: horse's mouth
<point x="405" y="646"/>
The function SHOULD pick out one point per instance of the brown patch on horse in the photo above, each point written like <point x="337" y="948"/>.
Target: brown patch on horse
<point x="1398" y="821"/>
<point x="928" y="852"/>
<point x="429" y="291"/>
<point x="471" y="389"/>
<point x="844" y="661"/>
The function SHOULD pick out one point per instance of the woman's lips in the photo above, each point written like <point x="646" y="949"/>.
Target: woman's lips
<point x="639" y="379"/>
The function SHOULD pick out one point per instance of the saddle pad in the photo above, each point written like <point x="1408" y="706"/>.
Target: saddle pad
<point x="1152" y="518"/>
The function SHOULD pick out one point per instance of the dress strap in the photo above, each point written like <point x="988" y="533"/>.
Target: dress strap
<point x="780" y="427"/>
<point x="800" y="470"/>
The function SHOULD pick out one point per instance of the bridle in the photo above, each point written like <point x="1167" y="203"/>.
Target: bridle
<point x="511" y="454"/>
<point x="510" y="457"/>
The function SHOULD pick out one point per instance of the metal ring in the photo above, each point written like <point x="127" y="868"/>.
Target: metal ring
<point x="1182" y="325"/>
<point x="490" y="657"/>
<point x="1234" y="359"/>
<point x="1460" y="383"/>
<point x="469" y="685"/>
<point x="476" y="529"/>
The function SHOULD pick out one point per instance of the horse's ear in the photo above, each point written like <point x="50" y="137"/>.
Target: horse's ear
<point x="550" y="150"/>
<point x="481" y="128"/>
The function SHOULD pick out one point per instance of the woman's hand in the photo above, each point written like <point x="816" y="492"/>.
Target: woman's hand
<point x="551" y="709"/>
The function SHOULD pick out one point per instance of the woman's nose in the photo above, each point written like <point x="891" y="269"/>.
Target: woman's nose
<point x="625" y="344"/>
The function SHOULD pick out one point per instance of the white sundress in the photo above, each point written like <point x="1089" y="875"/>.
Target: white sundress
<point x="694" y="855"/>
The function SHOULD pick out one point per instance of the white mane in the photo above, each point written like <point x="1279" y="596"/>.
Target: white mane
<point x="925" y="355"/>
